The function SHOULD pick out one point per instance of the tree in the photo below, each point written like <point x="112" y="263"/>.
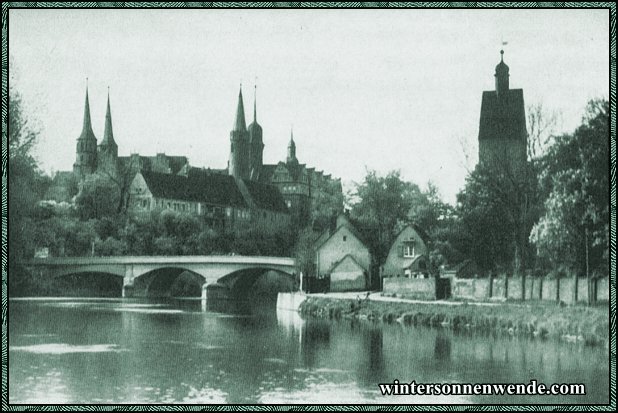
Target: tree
<point x="26" y="184"/>
<point x="541" y="127"/>
<point x="498" y="207"/>
<point x="382" y="206"/>
<point x="98" y="197"/>
<point x="326" y="203"/>
<point x="304" y="251"/>
<point x="121" y="176"/>
<point x="436" y="218"/>
<point x="576" y="211"/>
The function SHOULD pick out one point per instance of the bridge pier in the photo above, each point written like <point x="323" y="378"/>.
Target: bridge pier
<point x="204" y="297"/>
<point x="128" y="282"/>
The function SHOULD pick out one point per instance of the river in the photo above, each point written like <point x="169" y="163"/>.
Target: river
<point x="114" y="351"/>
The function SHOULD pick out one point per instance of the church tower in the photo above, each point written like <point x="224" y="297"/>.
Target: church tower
<point x="108" y="149"/>
<point x="238" y="165"/>
<point x="291" y="158"/>
<point x="86" y="153"/>
<point x="256" y="144"/>
<point x="502" y="127"/>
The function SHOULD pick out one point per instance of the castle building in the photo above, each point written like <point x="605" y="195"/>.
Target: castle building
<point x="224" y="202"/>
<point x="502" y="128"/>
<point x="298" y="184"/>
<point x="164" y="181"/>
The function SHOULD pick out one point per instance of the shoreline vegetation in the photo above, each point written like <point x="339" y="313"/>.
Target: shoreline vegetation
<point x="578" y="323"/>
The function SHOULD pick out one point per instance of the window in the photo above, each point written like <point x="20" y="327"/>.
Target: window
<point x="345" y="238"/>
<point x="289" y="203"/>
<point x="408" y="249"/>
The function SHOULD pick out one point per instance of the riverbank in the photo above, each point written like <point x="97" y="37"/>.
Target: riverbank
<point x="587" y="325"/>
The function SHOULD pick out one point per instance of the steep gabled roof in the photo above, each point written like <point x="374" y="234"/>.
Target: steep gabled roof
<point x="266" y="173"/>
<point x="503" y="116"/>
<point x="212" y="189"/>
<point x="421" y="233"/>
<point x="265" y="196"/>
<point x="350" y="228"/>
<point x="176" y="163"/>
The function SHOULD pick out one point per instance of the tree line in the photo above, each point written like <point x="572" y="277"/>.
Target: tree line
<point x="553" y="216"/>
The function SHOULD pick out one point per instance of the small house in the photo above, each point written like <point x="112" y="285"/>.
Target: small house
<point x="408" y="256"/>
<point x="343" y="257"/>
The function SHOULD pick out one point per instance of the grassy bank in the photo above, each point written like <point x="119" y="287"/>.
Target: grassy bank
<point x="588" y="325"/>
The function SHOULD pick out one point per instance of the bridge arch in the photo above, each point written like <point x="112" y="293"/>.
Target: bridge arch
<point x="258" y="280"/>
<point x="168" y="281"/>
<point x="84" y="284"/>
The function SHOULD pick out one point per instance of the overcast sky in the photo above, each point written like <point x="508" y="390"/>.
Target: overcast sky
<point x="382" y="89"/>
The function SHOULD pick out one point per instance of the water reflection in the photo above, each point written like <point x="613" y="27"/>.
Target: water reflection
<point x="442" y="347"/>
<point x="132" y="351"/>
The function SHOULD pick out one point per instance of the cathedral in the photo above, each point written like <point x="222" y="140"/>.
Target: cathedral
<point x="295" y="185"/>
<point x="104" y="158"/>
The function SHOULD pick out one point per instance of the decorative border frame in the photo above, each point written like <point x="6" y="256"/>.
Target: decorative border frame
<point x="324" y="407"/>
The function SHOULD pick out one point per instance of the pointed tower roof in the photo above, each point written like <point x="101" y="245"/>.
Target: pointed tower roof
<point x="108" y="134"/>
<point x="239" y="123"/>
<point x="87" y="132"/>
<point x="292" y="149"/>
<point x="255" y="129"/>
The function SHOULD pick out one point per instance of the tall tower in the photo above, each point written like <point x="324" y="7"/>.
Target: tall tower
<point x="239" y="144"/>
<point x="502" y="127"/>
<point x="256" y="144"/>
<point x="291" y="158"/>
<point x="86" y="153"/>
<point x="108" y="149"/>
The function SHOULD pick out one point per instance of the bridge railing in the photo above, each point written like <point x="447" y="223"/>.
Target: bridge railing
<point x="181" y="259"/>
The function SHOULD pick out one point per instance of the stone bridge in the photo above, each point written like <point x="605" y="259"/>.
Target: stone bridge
<point x="133" y="268"/>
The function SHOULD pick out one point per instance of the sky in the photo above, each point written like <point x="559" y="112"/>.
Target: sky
<point x="362" y="89"/>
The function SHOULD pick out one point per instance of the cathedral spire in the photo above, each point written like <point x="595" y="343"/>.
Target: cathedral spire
<point x="86" y="148"/>
<point x="87" y="126"/>
<point x="108" y="134"/>
<point x="239" y="123"/>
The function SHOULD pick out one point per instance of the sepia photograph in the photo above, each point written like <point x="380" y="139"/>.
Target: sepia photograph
<point x="308" y="207"/>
